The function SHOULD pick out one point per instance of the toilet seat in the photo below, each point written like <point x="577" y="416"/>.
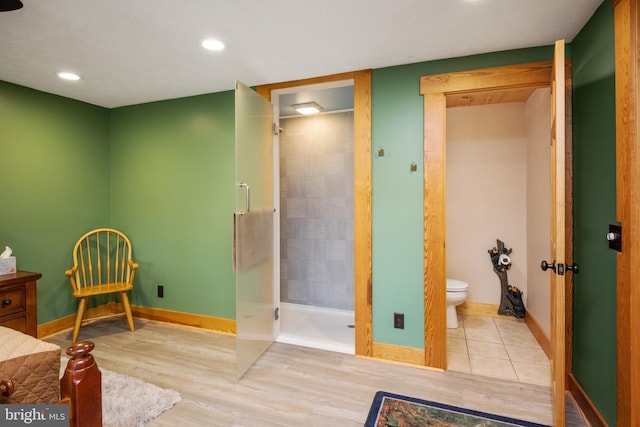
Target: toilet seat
<point x="457" y="286"/>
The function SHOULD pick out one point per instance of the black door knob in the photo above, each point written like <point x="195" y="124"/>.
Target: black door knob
<point x="573" y="267"/>
<point x="544" y="265"/>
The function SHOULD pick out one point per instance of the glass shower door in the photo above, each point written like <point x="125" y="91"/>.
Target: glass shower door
<point x="253" y="227"/>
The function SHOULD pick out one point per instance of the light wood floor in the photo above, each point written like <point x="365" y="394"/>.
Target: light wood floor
<point x="289" y="385"/>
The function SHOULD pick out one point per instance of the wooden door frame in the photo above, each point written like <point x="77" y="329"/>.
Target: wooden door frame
<point x="474" y="87"/>
<point x="361" y="196"/>
<point x="627" y="65"/>
<point x="559" y="236"/>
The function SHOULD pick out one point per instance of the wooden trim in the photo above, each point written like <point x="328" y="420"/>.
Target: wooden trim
<point x="217" y="324"/>
<point x="482" y="309"/>
<point x="265" y="90"/>
<point x="568" y="219"/>
<point x="361" y="197"/>
<point x="496" y="96"/>
<point x="585" y="406"/>
<point x="531" y="75"/>
<point x="627" y="63"/>
<point x="435" y="261"/>
<point x="398" y="353"/>
<point x="55" y="326"/>
<point x="623" y="85"/>
<point x="538" y="333"/>
<point x="362" y="213"/>
<point x="558" y="236"/>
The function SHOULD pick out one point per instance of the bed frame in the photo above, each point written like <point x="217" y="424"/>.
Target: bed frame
<point x="80" y="386"/>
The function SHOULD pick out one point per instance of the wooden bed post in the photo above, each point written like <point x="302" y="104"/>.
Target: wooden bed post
<point x="81" y="386"/>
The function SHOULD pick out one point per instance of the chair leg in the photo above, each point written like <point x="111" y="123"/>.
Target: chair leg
<point x="76" y="328"/>
<point x="127" y="309"/>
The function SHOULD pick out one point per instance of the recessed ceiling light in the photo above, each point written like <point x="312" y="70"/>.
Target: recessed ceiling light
<point x="307" y="108"/>
<point x="68" y="76"/>
<point x="213" y="44"/>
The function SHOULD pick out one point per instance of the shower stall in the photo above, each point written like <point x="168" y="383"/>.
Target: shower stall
<point x="316" y="231"/>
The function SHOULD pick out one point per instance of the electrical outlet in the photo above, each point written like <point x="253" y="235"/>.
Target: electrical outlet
<point x="160" y="291"/>
<point x="398" y="320"/>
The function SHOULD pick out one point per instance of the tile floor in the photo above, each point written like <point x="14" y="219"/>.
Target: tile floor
<point x="498" y="348"/>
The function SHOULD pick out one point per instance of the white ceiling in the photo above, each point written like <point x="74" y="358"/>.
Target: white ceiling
<point x="135" y="51"/>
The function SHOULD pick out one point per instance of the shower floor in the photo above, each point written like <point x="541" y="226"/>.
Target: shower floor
<point x="317" y="327"/>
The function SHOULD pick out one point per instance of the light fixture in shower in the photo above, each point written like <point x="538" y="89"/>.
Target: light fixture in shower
<point x="307" y="108"/>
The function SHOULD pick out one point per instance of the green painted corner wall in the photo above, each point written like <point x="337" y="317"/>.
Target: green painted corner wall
<point x="54" y="159"/>
<point x="172" y="192"/>
<point x="161" y="172"/>
<point x="397" y="193"/>
<point x="594" y="198"/>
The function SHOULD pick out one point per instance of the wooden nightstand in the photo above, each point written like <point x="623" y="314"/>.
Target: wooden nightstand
<point x="18" y="304"/>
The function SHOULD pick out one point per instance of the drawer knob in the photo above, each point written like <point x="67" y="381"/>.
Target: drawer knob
<point x="5" y="302"/>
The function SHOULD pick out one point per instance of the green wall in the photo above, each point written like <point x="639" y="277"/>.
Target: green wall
<point x="172" y="192"/>
<point x="54" y="160"/>
<point x="161" y="172"/>
<point x="594" y="189"/>
<point x="397" y="193"/>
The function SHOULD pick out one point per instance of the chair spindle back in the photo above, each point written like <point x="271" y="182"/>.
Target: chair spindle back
<point x="102" y="256"/>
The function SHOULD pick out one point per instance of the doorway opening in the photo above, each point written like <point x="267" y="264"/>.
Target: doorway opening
<point x="478" y="87"/>
<point x="315" y="164"/>
<point x="362" y="258"/>
<point x="497" y="180"/>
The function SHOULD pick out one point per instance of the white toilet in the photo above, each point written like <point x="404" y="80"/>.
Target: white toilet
<point x="456" y="295"/>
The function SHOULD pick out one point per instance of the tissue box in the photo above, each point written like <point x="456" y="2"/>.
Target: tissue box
<point x="8" y="265"/>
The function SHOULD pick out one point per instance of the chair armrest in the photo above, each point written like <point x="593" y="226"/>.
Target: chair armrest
<point x="134" y="266"/>
<point x="71" y="274"/>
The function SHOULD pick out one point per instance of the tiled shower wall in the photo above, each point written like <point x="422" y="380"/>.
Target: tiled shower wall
<point x="316" y="210"/>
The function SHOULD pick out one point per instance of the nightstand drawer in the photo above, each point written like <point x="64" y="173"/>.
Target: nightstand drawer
<point x="18" y="302"/>
<point x="12" y="301"/>
<point x="18" y="324"/>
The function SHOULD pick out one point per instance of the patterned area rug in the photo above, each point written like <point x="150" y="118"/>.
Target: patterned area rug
<point x="394" y="410"/>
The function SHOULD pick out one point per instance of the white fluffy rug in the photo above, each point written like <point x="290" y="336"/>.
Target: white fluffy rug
<point x="129" y="401"/>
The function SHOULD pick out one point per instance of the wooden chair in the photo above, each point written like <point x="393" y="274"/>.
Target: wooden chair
<point x="101" y="265"/>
